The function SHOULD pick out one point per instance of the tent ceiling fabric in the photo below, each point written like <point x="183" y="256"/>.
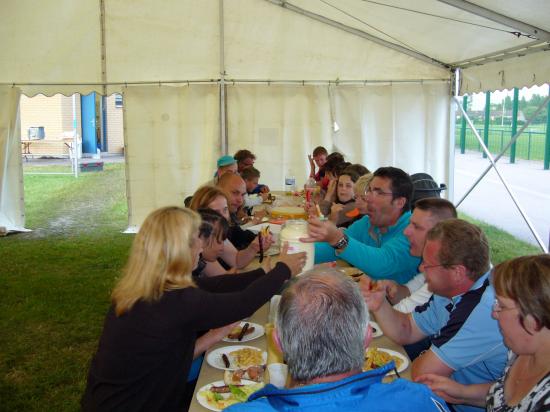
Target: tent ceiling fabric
<point x="442" y="39"/>
<point x="59" y="42"/>
<point x="264" y="41"/>
<point x="168" y="40"/>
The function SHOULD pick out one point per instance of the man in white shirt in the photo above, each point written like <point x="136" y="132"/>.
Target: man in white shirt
<point x="427" y="213"/>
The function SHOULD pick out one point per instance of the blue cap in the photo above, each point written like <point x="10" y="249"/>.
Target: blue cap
<point x="226" y="161"/>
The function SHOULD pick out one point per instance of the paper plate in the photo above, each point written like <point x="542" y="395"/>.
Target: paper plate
<point x="214" y="358"/>
<point x="404" y="364"/>
<point x="258" y="331"/>
<point x="203" y="401"/>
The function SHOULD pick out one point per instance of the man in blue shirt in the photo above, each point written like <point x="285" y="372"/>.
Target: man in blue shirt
<point x="466" y="343"/>
<point x="323" y="329"/>
<point x="375" y="243"/>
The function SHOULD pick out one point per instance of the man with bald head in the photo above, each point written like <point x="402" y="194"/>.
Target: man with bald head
<point x="234" y="187"/>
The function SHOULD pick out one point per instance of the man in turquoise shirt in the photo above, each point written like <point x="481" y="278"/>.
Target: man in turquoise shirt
<point x="375" y="244"/>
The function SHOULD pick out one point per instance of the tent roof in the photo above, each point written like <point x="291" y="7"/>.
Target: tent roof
<point x="66" y="46"/>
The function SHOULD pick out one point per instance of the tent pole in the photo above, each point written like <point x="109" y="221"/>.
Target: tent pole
<point x="223" y="134"/>
<point x="532" y="31"/>
<point x="487" y="121"/>
<point x="453" y="90"/>
<point x="499" y="55"/>
<point x="237" y="81"/>
<point x="494" y="166"/>
<point x="103" y="48"/>
<point x="75" y="139"/>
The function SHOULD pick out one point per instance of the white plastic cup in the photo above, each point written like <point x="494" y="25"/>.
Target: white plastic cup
<point x="278" y="373"/>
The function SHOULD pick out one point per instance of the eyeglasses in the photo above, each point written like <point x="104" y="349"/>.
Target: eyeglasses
<point x="497" y="308"/>
<point x="377" y="192"/>
<point x="424" y="266"/>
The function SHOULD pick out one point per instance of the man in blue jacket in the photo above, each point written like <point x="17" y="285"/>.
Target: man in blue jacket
<point x="375" y="243"/>
<point x="323" y="329"/>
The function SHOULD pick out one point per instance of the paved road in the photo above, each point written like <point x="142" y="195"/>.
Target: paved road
<point x="490" y="201"/>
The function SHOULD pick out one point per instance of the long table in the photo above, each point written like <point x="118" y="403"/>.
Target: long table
<point x="209" y="374"/>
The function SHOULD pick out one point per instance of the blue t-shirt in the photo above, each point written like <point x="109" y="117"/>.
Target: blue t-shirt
<point x="464" y="335"/>
<point x="379" y="255"/>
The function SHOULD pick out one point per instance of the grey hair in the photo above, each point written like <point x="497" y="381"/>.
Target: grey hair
<point x="322" y="321"/>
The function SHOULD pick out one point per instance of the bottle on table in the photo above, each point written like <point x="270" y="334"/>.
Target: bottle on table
<point x="290" y="183"/>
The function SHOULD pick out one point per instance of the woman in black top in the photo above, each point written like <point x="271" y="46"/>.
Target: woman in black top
<point x="149" y="334"/>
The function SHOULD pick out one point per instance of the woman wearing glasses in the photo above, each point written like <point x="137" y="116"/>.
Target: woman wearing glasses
<point x="522" y="309"/>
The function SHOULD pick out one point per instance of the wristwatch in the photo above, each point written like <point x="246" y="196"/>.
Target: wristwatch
<point x="342" y="243"/>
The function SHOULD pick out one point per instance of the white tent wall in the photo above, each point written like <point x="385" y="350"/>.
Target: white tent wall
<point x="172" y="133"/>
<point x="171" y="144"/>
<point x="405" y="125"/>
<point x="280" y="124"/>
<point x="161" y="41"/>
<point x="12" y="212"/>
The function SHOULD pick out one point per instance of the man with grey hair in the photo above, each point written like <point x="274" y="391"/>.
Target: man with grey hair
<point x="323" y="330"/>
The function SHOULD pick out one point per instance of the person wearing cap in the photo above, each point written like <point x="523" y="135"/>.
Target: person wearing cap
<point x="225" y="164"/>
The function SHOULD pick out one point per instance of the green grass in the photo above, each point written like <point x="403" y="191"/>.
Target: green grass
<point x="530" y="144"/>
<point x="503" y="245"/>
<point x="55" y="284"/>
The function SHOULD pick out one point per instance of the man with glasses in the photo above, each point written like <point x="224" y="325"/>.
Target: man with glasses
<point x="375" y="243"/>
<point x="465" y="340"/>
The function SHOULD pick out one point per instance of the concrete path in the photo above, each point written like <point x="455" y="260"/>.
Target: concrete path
<point x="490" y="201"/>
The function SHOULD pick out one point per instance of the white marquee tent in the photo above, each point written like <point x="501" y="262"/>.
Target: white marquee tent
<point x="202" y="78"/>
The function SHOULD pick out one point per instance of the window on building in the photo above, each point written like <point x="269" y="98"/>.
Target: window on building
<point x="118" y="100"/>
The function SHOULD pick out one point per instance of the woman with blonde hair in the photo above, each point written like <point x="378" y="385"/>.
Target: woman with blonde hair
<point x="210" y="197"/>
<point x="149" y="336"/>
<point x="522" y="309"/>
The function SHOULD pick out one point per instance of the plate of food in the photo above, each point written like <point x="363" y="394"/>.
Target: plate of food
<point x="252" y="373"/>
<point x="377" y="357"/>
<point x="251" y="331"/>
<point x="217" y="396"/>
<point x="376" y="330"/>
<point x="236" y="357"/>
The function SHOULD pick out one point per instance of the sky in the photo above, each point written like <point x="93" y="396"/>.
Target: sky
<point x="478" y="99"/>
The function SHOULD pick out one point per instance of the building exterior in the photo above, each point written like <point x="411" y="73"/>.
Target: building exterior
<point x="57" y="114"/>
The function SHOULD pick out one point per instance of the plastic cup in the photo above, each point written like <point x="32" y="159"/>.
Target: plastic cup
<point x="278" y="373"/>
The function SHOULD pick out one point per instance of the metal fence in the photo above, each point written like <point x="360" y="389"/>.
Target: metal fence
<point x="530" y="144"/>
